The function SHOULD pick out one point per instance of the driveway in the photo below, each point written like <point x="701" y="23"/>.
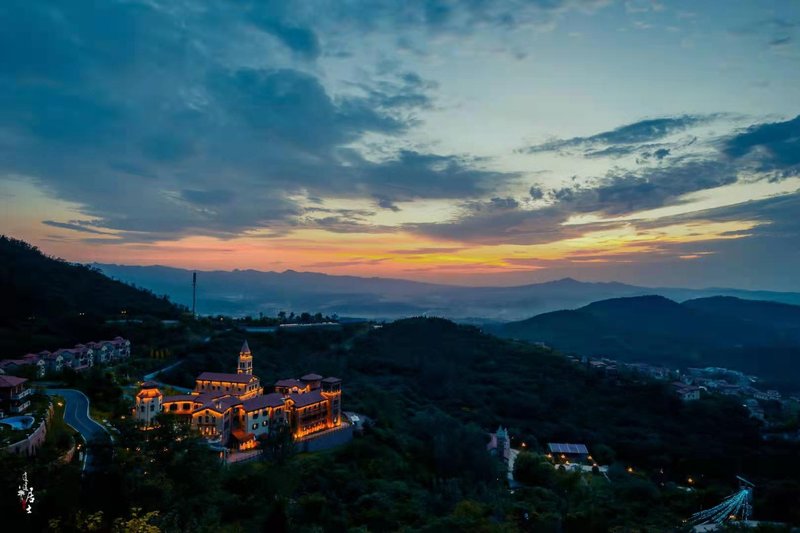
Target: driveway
<point x="76" y="414"/>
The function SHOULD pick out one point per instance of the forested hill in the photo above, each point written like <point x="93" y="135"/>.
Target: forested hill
<point x="49" y="297"/>
<point x="762" y="338"/>
<point x="433" y="388"/>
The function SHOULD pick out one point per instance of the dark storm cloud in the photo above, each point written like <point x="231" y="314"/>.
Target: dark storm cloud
<point x="622" y="140"/>
<point x="137" y="112"/>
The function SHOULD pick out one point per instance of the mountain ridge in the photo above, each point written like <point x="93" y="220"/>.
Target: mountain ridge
<point x="714" y="331"/>
<point x="250" y="291"/>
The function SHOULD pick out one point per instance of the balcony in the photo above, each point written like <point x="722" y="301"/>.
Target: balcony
<point x="21" y="408"/>
<point x="23" y="394"/>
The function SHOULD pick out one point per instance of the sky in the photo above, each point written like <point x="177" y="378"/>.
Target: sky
<point x="480" y="142"/>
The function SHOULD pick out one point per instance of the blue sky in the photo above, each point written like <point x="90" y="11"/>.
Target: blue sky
<point x="477" y="142"/>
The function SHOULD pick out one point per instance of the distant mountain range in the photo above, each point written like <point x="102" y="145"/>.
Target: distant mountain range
<point x="758" y="337"/>
<point x="243" y="292"/>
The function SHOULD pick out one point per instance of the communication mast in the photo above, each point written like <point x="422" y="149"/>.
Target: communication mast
<point x="194" y="294"/>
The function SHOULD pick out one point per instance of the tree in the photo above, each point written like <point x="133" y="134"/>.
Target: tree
<point x="278" y="445"/>
<point x="532" y="469"/>
<point x="136" y="523"/>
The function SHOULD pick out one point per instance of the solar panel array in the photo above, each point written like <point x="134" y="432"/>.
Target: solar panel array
<point x="556" y="447"/>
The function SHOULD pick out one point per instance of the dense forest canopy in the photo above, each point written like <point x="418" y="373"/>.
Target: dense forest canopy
<point x="47" y="301"/>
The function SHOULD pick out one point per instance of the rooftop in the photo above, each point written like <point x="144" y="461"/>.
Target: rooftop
<point x="272" y="399"/>
<point x="10" y="381"/>
<point x="557" y="447"/>
<point x="309" y="398"/>
<point x="290" y="383"/>
<point x="221" y="376"/>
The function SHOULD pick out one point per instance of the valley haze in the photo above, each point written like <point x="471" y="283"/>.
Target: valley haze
<point x="250" y="292"/>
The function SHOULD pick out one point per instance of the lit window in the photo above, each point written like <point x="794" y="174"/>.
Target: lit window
<point x="255" y="426"/>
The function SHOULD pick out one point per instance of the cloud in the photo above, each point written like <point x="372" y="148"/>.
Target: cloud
<point x="639" y="132"/>
<point x="301" y="40"/>
<point x="75" y="226"/>
<point x="149" y="118"/>
<point x="615" y="194"/>
<point x="536" y="192"/>
<point x="427" y="250"/>
<point x="386" y="203"/>
<point x="775" y="145"/>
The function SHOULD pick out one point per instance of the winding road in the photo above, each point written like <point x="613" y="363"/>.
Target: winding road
<point x="76" y="414"/>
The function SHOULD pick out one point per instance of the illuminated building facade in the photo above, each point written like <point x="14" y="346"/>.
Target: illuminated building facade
<point x="233" y="409"/>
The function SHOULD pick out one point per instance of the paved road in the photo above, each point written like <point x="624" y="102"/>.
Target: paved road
<point x="76" y="414"/>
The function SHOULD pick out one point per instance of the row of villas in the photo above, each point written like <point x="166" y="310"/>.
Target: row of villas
<point x="233" y="410"/>
<point x="688" y="386"/>
<point x="79" y="358"/>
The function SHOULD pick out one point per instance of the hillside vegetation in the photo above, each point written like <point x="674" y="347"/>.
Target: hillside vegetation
<point x="434" y="388"/>
<point x="762" y="338"/>
<point x="49" y="303"/>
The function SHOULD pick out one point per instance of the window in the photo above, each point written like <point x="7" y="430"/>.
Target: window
<point x="142" y="408"/>
<point x="186" y="407"/>
<point x="264" y="423"/>
<point x="255" y="415"/>
<point x="152" y="407"/>
<point x="174" y="407"/>
<point x="255" y="426"/>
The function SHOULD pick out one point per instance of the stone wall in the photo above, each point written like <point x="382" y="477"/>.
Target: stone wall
<point x="30" y="445"/>
<point x="326" y="440"/>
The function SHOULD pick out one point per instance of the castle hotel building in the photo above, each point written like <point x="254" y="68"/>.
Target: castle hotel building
<point x="233" y="409"/>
